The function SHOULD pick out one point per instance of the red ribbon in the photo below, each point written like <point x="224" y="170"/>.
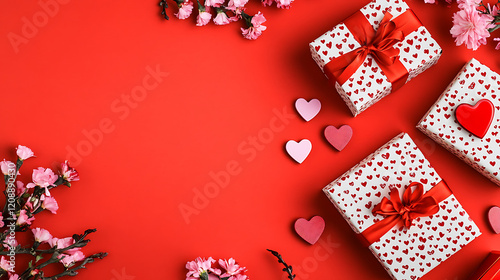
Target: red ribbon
<point x="414" y="204"/>
<point x="379" y="44"/>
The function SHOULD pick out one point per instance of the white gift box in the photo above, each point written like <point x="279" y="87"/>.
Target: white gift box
<point x="473" y="83"/>
<point x="417" y="52"/>
<point x="405" y="253"/>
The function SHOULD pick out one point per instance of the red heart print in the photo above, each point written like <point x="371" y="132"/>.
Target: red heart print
<point x="338" y="137"/>
<point x="310" y="230"/>
<point x="476" y="119"/>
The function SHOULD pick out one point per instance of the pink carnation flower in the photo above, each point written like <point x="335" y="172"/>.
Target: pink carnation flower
<point x="69" y="260"/>
<point x="69" y="173"/>
<point x="43" y="178"/>
<point x="6" y="165"/>
<point x="10" y="242"/>
<point x="284" y="4"/>
<point x="185" y="10"/>
<point x="214" y="3"/>
<point x="233" y="4"/>
<point x="221" y="19"/>
<point x="49" y="203"/>
<point x="237" y="14"/>
<point x="267" y="2"/>
<point x="200" y="266"/>
<point x="468" y="4"/>
<point x="203" y="18"/>
<point x="493" y="11"/>
<point x="254" y="31"/>
<point x="78" y="256"/>
<point x="4" y="264"/>
<point x="13" y="276"/>
<point x="1" y="221"/>
<point x="231" y="267"/>
<point x="470" y="28"/>
<point x="24" y="152"/>
<point x="61" y="243"/>
<point x="41" y="235"/>
<point x="23" y="218"/>
<point x="20" y="188"/>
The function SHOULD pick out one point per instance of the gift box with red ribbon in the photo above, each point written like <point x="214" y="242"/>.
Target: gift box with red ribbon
<point x="465" y="119"/>
<point x="489" y="269"/>
<point x="374" y="52"/>
<point x="402" y="210"/>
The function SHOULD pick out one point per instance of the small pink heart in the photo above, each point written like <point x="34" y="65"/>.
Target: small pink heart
<point x="338" y="137"/>
<point x="494" y="218"/>
<point x="310" y="230"/>
<point x="307" y="110"/>
<point x="299" y="151"/>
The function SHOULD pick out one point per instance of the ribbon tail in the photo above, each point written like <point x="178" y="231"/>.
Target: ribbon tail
<point x="377" y="230"/>
<point x="341" y="68"/>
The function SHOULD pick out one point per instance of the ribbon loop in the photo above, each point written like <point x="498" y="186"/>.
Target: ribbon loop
<point x="414" y="205"/>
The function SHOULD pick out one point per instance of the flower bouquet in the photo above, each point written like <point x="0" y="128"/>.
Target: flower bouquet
<point x="225" y="13"/>
<point x="203" y="269"/>
<point x="22" y="203"/>
<point x="474" y="22"/>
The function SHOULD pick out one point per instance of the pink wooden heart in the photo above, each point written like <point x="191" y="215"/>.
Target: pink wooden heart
<point x="338" y="137"/>
<point x="494" y="218"/>
<point x="299" y="151"/>
<point x="310" y="230"/>
<point x="307" y="110"/>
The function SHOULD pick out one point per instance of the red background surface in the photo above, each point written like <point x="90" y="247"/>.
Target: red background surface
<point x="220" y="93"/>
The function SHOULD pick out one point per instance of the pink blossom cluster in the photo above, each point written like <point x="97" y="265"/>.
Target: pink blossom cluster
<point x="223" y="12"/>
<point x="23" y="202"/>
<point x="474" y="22"/>
<point x="471" y="24"/>
<point x="203" y="269"/>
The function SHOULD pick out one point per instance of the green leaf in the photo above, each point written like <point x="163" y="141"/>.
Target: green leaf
<point x="204" y="275"/>
<point x="39" y="257"/>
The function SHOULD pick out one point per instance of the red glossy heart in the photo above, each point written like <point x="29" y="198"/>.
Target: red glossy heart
<point x="476" y="119"/>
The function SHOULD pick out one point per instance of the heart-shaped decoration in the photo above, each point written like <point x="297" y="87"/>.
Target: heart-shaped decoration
<point x="494" y="218"/>
<point x="310" y="230"/>
<point x="476" y="119"/>
<point x="299" y="151"/>
<point x="338" y="137"/>
<point x="307" y="110"/>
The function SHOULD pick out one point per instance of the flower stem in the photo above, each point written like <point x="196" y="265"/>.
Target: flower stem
<point x="288" y="268"/>
<point x="164" y="6"/>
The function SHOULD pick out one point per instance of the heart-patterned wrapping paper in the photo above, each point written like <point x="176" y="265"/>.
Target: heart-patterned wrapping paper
<point x="473" y="83"/>
<point x="418" y="52"/>
<point x="404" y="253"/>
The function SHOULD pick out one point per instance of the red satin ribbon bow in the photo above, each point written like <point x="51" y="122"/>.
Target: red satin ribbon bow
<point x="379" y="44"/>
<point x="415" y="204"/>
